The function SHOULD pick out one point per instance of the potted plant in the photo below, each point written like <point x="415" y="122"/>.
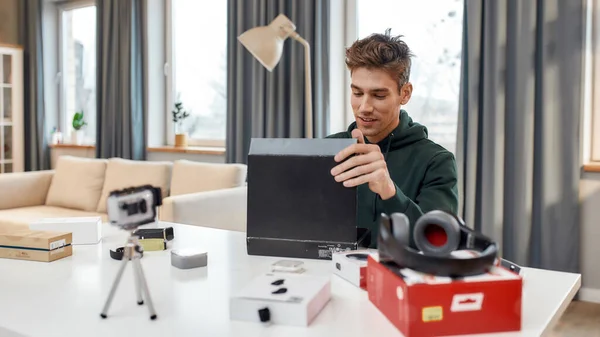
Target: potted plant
<point x="179" y="115"/>
<point x="77" y="136"/>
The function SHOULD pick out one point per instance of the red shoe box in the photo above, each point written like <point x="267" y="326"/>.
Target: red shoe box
<point x="424" y="305"/>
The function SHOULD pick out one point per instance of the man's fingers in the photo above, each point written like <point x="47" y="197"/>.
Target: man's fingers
<point x="355" y="161"/>
<point x="356" y="133"/>
<point x="360" y="170"/>
<point x="355" y="149"/>
<point x="364" y="179"/>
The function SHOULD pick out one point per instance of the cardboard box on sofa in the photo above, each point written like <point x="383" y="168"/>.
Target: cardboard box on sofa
<point x="424" y="305"/>
<point x="44" y="246"/>
<point x="295" y="207"/>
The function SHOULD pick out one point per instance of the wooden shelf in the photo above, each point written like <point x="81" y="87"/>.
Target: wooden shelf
<point x="8" y="45"/>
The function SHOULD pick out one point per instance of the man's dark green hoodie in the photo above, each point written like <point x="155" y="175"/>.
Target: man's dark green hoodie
<point x="424" y="174"/>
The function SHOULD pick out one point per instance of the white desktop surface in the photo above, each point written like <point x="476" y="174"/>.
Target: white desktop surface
<point x="65" y="297"/>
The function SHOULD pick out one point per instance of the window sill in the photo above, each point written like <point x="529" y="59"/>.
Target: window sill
<point x="73" y="146"/>
<point x="592" y="167"/>
<point x="216" y="150"/>
<point x="209" y="150"/>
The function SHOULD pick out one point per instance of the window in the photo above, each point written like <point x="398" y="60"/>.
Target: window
<point x="198" y="44"/>
<point x="78" y="70"/>
<point x="591" y="118"/>
<point x="433" y="31"/>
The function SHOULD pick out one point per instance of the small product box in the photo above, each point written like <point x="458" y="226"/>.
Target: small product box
<point x="86" y="230"/>
<point x="33" y="245"/>
<point x="425" y="305"/>
<point x="281" y="299"/>
<point x="352" y="266"/>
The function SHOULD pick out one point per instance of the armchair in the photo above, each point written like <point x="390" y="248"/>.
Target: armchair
<point x="208" y="195"/>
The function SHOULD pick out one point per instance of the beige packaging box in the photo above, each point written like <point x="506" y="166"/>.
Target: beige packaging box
<point x="33" y="245"/>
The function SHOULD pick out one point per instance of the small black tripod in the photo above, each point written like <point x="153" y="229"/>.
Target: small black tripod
<point x="132" y="251"/>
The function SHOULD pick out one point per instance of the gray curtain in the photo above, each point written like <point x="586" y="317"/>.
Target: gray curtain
<point x="271" y="104"/>
<point x="519" y="121"/>
<point x="121" y="119"/>
<point x="37" y="152"/>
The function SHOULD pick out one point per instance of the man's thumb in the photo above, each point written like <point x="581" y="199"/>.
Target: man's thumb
<point x="356" y="133"/>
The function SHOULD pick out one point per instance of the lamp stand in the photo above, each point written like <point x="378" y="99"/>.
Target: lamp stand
<point x="308" y="117"/>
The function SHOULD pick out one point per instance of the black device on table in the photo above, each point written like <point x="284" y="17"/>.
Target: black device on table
<point x="295" y="207"/>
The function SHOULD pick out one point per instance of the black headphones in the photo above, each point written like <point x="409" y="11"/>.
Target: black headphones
<point x="436" y="234"/>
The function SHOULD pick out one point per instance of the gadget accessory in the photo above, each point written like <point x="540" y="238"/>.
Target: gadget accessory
<point x="188" y="258"/>
<point x="437" y="234"/>
<point x="155" y="233"/>
<point x="118" y="253"/>
<point x="288" y="266"/>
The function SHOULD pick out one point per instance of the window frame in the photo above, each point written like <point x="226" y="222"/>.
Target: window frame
<point x="63" y="122"/>
<point x="591" y="120"/>
<point x="170" y="81"/>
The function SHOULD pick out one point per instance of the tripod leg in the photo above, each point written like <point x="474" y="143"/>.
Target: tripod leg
<point x="138" y="267"/>
<point x="138" y="285"/>
<point x="113" y="289"/>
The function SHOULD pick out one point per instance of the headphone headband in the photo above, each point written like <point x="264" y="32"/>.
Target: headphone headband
<point x="393" y="246"/>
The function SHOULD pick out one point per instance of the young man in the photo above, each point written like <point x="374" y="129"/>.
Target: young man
<point x="395" y="167"/>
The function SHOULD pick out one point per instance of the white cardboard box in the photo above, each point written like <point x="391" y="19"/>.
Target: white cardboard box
<point x="86" y="230"/>
<point x="352" y="265"/>
<point x="305" y="297"/>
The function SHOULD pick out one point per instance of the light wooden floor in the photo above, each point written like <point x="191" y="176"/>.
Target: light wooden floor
<point x="581" y="319"/>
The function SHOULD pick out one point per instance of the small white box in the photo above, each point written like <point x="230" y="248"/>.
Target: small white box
<point x="352" y="265"/>
<point x="304" y="298"/>
<point x="86" y="230"/>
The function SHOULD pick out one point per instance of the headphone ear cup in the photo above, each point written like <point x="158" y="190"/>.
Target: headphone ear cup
<point x="437" y="233"/>
<point x="401" y="225"/>
<point x="385" y="227"/>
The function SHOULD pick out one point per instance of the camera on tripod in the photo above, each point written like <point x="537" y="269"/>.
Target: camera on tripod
<point x="133" y="207"/>
<point x="128" y="209"/>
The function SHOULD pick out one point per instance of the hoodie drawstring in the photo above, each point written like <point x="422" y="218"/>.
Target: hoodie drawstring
<point x="385" y="155"/>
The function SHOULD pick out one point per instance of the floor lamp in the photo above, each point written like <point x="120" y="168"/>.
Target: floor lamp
<point x="265" y="43"/>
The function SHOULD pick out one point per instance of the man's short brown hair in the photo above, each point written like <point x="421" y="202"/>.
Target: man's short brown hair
<point x="381" y="51"/>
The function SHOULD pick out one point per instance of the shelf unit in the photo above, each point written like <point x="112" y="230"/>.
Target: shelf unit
<point x="11" y="109"/>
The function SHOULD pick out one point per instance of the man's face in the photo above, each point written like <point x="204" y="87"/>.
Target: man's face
<point x="376" y="102"/>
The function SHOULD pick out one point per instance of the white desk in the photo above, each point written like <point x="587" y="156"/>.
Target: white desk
<point x="64" y="298"/>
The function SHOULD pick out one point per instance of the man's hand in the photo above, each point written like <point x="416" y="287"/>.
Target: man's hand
<point x="368" y="166"/>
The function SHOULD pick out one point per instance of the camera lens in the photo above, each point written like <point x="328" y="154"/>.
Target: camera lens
<point x="143" y="206"/>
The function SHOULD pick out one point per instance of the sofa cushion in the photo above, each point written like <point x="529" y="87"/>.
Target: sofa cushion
<point x="19" y="218"/>
<point x="77" y="183"/>
<point x="125" y="173"/>
<point x="192" y="177"/>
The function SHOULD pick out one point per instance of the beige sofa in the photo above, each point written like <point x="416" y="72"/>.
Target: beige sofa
<point x="203" y="194"/>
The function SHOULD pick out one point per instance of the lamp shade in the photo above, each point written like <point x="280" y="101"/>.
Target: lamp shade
<point x="265" y="43"/>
